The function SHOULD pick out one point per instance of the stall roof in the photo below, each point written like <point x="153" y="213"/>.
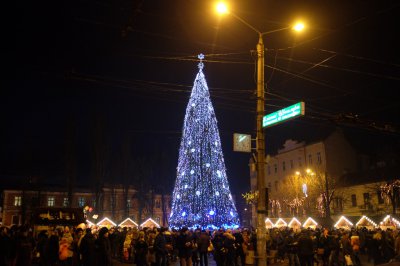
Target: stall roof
<point x="149" y="222"/>
<point x="106" y="221"/>
<point x="128" y="222"/>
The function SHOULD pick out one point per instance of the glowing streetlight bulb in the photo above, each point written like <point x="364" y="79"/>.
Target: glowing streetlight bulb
<point x="299" y="26"/>
<point x="221" y="8"/>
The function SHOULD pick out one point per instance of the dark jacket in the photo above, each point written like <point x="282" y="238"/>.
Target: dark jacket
<point x="87" y="249"/>
<point x="305" y="245"/>
<point x="184" y="243"/>
<point x="103" y="249"/>
<point x="203" y="242"/>
<point x="141" y="249"/>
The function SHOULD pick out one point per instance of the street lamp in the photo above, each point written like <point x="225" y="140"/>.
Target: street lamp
<point x="222" y="8"/>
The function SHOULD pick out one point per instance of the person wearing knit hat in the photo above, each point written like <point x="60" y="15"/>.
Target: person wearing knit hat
<point x="104" y="248"/>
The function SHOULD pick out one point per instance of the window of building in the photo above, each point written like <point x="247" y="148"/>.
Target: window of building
<point x="276" y="185"/>
<point x="299" y="161"/>
<point x="15" y="219"/>
<point x="380" y="198"/>
<point x="269" y="184"/>
<point x="319" y="158"/>
<point x="309" y="159"/>
<point x="65" y="202"/>
<point x="17" y="201"/>
<point x="338" y="204"/>
<point x="366" y="198"/>
<point x="291" y="164"/>
<point x="81" y="201"/>
<point x="284" y="166"/>
<point x="353" y="200"/>
<point x="269" y="170"/>
<point x="275" y="168"/>
<point x="128" y="203"/>
<point x="158" y="204"/>
<point x="51" y="201"/>
<point x="35" y="201"/>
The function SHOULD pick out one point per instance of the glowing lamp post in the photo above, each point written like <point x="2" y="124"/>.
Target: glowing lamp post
<point x="222" y="8"/>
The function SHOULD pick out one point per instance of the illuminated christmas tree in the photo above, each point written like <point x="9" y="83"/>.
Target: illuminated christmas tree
<point x="201" y="196"/>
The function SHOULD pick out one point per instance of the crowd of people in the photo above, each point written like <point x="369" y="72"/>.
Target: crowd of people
<point x="65" y="246"/>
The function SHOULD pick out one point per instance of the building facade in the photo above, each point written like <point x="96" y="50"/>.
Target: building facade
<point x="322" y="163"/>
<point x="116" y="203"/>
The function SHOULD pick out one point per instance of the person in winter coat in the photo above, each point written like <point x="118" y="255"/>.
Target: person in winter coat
<point x="397" y="244"/>
<point x="323" y="246"/>
<point x="229" y="245"/>
<point x="305" y="247"/>
<point x="202" y="244"/>
<point x="151" y="259"/>
<point x="387" y="246"/>
<point x="184" y="244"/>
<point x="76" y="258"/>
<point x="103" y="248"/>
<point x="346" y="247"/>
<point x="219" y="251"/>
<point x="5" y="240"/>
<point x="24" y="248"/>
<point x="52" y="248"/>
<point x="141" y="249"/>
<point x="195" y="250"/>
<point x="87" y="248"/>
<point x="291" y="248"/>
<point x="160" y="248"/>
<point x="127" y="246"/>
<point x="66" y="249"/>
<point x="355" y="244"/>
<point x="239" y="247"/>
<point x="334" y="247"/>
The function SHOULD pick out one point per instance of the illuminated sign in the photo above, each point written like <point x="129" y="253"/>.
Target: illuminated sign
<point x="284" y="114"/>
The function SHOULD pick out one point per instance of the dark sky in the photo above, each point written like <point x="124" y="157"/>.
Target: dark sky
<point x="133" y="63"/>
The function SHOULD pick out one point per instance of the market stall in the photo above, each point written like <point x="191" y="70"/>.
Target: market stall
<point x="343" y="223"/>
<point x="295" y="224"/>
<point x="268" y="223"/>
<point x="389" y="222"/>
<point x="280" y="223"/>
<point x="366" y="222"/>
<point x="106" y="222"/>
<point x="310" y="223"/>
<point x="128" y="222"/>
<point x="150" y="223"/>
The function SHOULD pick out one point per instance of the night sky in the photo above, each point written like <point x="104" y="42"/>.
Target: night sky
<point x="132" y="64"/>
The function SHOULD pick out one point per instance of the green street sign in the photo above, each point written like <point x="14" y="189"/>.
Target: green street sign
<point x="284" y="114"/>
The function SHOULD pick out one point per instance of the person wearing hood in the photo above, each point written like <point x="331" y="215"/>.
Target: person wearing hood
<point x="229" y="246"/>
<point x="87" y="248"/>
<point x="185" y="245"/>
<point x="103" y="248"/>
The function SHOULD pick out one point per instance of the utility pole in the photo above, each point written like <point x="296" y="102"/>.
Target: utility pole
<point x="260" y="148"/>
